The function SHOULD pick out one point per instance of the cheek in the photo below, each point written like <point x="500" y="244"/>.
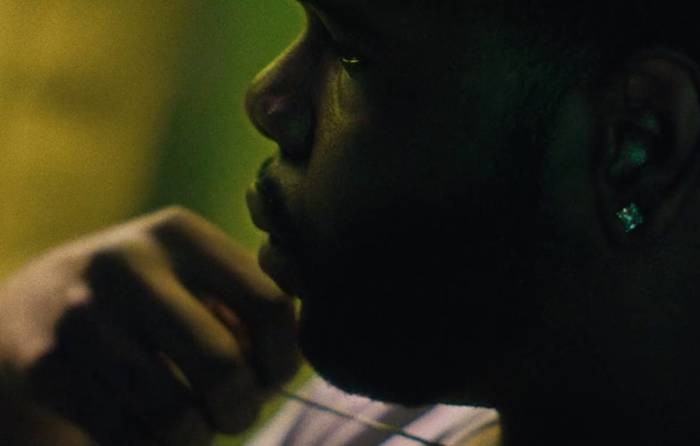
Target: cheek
<point x="376" y="148"/>
<point x="361" y="165"/>
<point x="350" y="176"/>
<point x="355" y="157"/>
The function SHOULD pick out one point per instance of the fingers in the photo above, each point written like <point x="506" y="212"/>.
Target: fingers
<point x="172" y="332"/>
<point x="136" y="287"/>
<point x="162" y="405"/>
<point x="120" y="392"/>
<point x="211" y="264"/>
<point x="174" y="285"/>
<point x="69" y="386"/>
<point x="189" y="238"/>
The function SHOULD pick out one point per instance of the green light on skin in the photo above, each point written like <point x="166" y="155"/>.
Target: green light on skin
<point x="637" y="155"/>
<point x="635" y="148"/>
<point x="633" y="156"/>
<point x="650" y="123"/>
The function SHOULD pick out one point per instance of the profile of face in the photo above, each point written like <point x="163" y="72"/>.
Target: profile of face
<point x="413" y="205"/>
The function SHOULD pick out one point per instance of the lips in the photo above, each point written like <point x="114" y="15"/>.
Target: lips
<point x="278" y="257"/>
<point x="268" y="212"/>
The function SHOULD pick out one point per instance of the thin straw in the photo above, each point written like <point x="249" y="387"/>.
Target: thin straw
<point x="374" y="424"/>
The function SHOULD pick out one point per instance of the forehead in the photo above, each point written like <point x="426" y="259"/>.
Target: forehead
<point x="399" y="7"/>
<point x="398" y="20"/>
<point x="402" y="15"/>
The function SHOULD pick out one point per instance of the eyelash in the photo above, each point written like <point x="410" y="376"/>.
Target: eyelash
<point x="347" y="56"/>
<point x="351" y="59"/>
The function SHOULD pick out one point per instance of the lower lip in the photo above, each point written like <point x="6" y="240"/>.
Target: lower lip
<point x="279" y="263"/>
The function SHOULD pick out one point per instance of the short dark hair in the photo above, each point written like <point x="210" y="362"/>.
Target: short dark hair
<point x="580" y="41"/>
<point x="569" y="42"/>
<point x="595" y="35"/>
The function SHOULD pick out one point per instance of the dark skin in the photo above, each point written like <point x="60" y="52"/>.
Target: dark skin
<point x="451" y="240"/>
<point x="441" y="255"/>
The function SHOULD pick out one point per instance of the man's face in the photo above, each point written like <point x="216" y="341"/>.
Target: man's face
<point x="398" y="200"/>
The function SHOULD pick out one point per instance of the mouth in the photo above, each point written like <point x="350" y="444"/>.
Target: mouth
<point x="278" y="256"/>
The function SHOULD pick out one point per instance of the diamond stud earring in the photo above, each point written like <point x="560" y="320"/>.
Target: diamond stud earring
<point x="630" y="217"/>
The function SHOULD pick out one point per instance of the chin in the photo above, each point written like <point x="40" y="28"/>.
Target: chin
<point x="360" y="361"/>
<point x="387" y="345"/>
<point x="394" y="317"/>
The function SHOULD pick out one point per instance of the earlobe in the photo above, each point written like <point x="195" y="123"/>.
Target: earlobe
<point x="652" y="133"/>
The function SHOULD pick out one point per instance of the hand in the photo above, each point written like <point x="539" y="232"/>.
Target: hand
<point x="161" y="331"/>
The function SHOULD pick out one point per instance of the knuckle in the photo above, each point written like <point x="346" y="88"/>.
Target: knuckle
<point x="105" y="260"/>
<point x="128" y="250"/>
<point x="224" y="358"/>
<point x="175" y="218"/>
<point x="178" y="229"/>
<point x="172" y="211"/>
<point x="118" y="266"/>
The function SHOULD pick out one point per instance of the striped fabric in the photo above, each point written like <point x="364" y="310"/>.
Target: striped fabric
<point x="298" y="424"/>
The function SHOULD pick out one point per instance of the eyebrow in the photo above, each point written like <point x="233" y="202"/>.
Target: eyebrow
<point x="344" y="15"/>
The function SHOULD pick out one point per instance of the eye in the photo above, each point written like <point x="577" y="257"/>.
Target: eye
<point x="350" y="58"/>
<point x="346" y="55"/>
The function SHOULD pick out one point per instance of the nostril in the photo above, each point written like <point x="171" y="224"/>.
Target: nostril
<point x="287" y="122"/>
<point x="273" y="106"/>
<point x="255" y="107"/>
<point x="296" y="134"/>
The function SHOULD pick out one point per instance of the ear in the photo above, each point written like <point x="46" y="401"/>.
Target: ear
<point x="648" y="153"/>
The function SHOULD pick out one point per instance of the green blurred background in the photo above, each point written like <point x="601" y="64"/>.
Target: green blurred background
<point x="109" y="109"/>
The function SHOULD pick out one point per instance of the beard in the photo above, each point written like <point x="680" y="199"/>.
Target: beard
<point x="416" y="304"/>
<point x="413" y="313"/>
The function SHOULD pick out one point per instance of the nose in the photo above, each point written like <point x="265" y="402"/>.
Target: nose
<point x="278" y="102"/>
